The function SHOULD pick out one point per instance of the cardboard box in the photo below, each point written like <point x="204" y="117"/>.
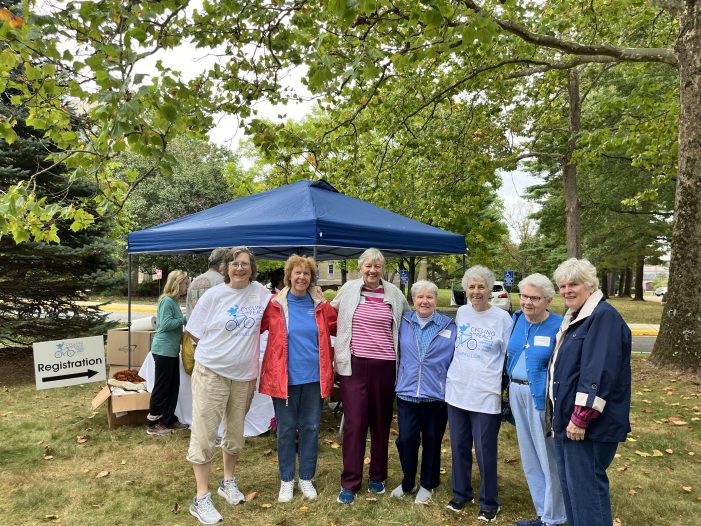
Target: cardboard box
<point x="125" y="409"/>
<point x="118" y="347"/>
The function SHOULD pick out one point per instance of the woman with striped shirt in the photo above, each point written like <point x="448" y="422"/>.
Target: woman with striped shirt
<point x="369" y="315"/>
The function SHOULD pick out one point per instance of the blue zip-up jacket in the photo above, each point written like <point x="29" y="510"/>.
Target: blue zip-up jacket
<point x="592" y="369"/>
<point x="425" y="377"/>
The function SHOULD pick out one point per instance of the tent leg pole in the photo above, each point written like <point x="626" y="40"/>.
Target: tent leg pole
<point x="129" y="312"/>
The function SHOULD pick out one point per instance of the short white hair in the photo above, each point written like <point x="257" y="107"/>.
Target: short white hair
<point x="479" y="273"/>
<point x="540" y="282"/>
<point x="424" y="285"/>
<point x="371" y="254"/>
<point x="578" y="271"/>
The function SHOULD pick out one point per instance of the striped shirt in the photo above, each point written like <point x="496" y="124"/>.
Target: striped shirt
<point x="371" y="336"/>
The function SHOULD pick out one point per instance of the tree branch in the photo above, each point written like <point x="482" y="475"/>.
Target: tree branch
<point x="662" y="55"/>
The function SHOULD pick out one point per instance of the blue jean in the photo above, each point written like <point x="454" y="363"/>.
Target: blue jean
<point x="482" y="428"/>
<point x="298" y="419"/>
<point x="537" y="456"/>
<point x="585" y="486"/>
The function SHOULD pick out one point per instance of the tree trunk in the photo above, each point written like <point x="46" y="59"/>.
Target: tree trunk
<point x="569" y="176"/>
<point x="679" y="341"/>
<point x="628" y="282"/>
<point x="639" y="289"/>
<point x="604" y="284"/>
<point x="621" y="283"/>
<point x="344" y="272"/>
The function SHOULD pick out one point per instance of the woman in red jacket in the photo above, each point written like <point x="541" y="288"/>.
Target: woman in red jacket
<point x="297" y="371"/>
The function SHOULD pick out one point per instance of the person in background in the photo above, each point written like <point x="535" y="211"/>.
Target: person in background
<point x="297" y="371"/>
<point x="426" y="347"/>
<point x="530" y="347"/>
<point x="369" y="315"/>
<point x="213" y="276"/>
<point x="277" y="280"/>
<point x="473" y="392"/>
<point x="226" y="326"/>
<point x="588" y="393"/>
<point x="165" y="349"/>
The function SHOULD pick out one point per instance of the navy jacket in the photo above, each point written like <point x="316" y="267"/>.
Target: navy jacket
<point x="592" y="369"/>
<point x="425" y="378"/>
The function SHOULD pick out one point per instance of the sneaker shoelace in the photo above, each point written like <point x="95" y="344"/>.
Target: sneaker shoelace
<point x="205" y="504"/>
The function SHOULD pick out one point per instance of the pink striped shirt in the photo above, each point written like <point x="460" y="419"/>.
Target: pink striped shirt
<point x="371" y="336"/>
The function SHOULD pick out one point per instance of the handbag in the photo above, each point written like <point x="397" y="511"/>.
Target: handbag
<point x="188" y="353"/>
<point x="506" y="414"/>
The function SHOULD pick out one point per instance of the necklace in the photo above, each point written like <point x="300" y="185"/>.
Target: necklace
<point x="527" y="331"/>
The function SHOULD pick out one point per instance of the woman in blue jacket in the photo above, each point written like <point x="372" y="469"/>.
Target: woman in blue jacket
<point x="426" y="347"/>
<point x="588" y="393"/>
<point x="530" y="347"/>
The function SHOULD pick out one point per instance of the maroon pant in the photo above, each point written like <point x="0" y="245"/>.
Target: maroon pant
<point x="368" y="402"/>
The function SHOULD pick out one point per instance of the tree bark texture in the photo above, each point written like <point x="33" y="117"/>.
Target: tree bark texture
<point x="627" y="287"/>
<point x="639" y="275"/>
<point x="569" y="176"/>
<point x="679" y="341"/>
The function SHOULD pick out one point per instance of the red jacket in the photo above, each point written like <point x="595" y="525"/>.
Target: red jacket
<point x="273" y="374"/>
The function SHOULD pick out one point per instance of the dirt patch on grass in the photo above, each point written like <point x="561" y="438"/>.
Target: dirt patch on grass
<point x="16" y="366"/>
<point x="646" y="372"/>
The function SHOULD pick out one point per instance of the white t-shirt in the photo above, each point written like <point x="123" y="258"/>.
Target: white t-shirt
<point x="227" y="323"/>
<point x="474" y="375"/>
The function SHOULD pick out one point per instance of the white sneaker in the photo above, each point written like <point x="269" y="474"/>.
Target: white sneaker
<point x="230" y="491"/>
<point x="398" y="492"/>
<point x="204" y="511"/>
<point x="423" y="496"/>
<point x="308" y="489"/>
<point x="286" y="491"/>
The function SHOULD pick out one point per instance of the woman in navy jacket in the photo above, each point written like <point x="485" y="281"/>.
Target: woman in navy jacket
<point x="588" y="395"/>
<point x="426" y="347"/>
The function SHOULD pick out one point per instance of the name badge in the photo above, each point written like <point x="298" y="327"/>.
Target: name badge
<point x="445" y="333"/>
<point x="542" y="341"/>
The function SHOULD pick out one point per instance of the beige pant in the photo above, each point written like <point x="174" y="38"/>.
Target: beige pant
<point x="215" y="398"/>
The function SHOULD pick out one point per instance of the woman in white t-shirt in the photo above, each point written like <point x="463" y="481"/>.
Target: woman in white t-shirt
<point x="473" y="392"/>
<point x="226" y="327"/>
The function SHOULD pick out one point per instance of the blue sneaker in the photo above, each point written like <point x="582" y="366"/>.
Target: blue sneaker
<point x="345" y="496"/>
<point x="378" y="488"/>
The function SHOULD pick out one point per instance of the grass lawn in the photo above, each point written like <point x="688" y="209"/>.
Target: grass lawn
<point x="59" y="464"/>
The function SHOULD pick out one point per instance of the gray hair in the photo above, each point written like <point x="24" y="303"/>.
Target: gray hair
<point x="424" y="285"/>
<point x="216" y="257"/>
<point x="540" y="282"/>
<point x="371" y="254"/>
<point x="578" y="271"/>
<point x="479" y="273"/>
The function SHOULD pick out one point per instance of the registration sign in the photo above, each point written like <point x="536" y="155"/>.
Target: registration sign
<point x="74" y="361"/>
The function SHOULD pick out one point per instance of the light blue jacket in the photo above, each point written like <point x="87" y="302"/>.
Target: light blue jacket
<point x="424" y="377"/>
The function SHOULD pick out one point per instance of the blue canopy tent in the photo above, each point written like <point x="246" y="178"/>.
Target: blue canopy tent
<point x="307" y="218"/>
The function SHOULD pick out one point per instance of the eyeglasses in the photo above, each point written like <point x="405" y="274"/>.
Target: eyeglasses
<point x="239" y="264"/>
<point x="533" y="299"/>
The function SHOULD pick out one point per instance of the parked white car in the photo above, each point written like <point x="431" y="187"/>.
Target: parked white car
<point x="501" y="297"/>
<point x="660" y="291"/>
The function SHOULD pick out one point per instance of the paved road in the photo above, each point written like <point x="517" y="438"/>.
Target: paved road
<point x="643" y="343"/>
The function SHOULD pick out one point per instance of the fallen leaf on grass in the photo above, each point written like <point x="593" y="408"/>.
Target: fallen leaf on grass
<point x="304" y="509"/>
<point x="687" y="489"/>
<point x="366" y="461"/>
<point x="443" y="471"/>
<point x="48" y="457"/>
<point x="51" y="517"/>
<point x="371" y="499"/>
<point x="642" y="453"/>
<point x="631" y="491"/>
<point x="176" y="508"/>
<point x="670" y="451"/>
<point x="96" y="506"/>
<point x="622" y="468"/>
<point x="617" y="522"/>
<point x="328" y="441"/>
<point x="251" y="496"/>
<point x="266" y="506"/>
<point x="657" y="453"/>
<point x="691" y="453"/>
<point x="123" y="462"/>
<point x="102" y="474"/>
<point x="695" y="418"/>
<point x="647" y="401"/>
<point x="335" y="445"/>
<point x="81" y="439"/>
<point x="393" y="431"/>
<point x="630" y="439"/>
<point x="267" y="451"/>
<point x="647" y="390"/>
<point x="676" y="422"/>
<point x="41" y="442"/>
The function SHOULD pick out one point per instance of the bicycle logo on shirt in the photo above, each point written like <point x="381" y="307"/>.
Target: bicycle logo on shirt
<point x="466" y="338"/>
<point x="238" y="320"/>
